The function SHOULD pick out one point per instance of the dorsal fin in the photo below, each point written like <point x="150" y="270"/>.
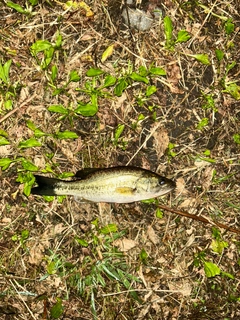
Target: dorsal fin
<point x="84" y="173"/>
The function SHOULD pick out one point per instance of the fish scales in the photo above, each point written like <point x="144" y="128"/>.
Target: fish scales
<point x="116" y="184"/>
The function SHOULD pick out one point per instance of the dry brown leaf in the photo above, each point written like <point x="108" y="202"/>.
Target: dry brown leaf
<point x="153" y="237"/>
<point x="36" y="254"/>
<point x="188" y="203"/>
<point x="6" y="220"/>
<point x="184" y="288"/>
<point x="161" y="141"/>
<point x="207" y="177"/>
<point x="6" y="150"/>
<point x="181" y="186"/>
<point x="125" y="244"/>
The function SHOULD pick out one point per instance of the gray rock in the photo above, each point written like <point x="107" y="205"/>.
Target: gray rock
<point x="138" y="19"/>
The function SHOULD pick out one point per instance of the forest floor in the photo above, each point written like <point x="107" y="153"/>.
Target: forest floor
<point x="80" y="89"/>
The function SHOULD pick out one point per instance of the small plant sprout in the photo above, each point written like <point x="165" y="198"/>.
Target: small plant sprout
<point x="182" y="36"/>
<point x="43" y="50"/>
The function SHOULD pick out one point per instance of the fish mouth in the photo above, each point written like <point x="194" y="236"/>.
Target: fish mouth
<point x="167" y="185"/>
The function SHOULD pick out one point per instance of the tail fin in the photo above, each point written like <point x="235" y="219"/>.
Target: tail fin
<point x="45" y="187"/>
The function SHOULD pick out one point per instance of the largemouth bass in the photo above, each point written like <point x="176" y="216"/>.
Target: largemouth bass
<point x="114" y="184"/>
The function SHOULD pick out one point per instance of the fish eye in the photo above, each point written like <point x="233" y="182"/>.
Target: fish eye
<point x="161" y="182"/>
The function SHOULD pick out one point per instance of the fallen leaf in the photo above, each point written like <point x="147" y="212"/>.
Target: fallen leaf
<point x="36" y="253"/>
<point x="161" y="141"/>
<point x="152" y="235"/>
<point x="125" y="244"/>
<point x="107" y="53"/>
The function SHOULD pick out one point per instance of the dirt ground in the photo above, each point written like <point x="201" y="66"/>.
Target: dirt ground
<point x="65" y="259"/>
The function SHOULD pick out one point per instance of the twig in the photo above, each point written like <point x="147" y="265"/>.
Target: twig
<point x="10" y="113"/>
<point x="199" y="218"/>
<point x="145" y="141"/>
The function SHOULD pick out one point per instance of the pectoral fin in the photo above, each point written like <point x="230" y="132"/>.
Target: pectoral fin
<point x="125" y="191"/>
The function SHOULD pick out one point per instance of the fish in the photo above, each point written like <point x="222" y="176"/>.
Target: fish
<point x="123" y="184"/>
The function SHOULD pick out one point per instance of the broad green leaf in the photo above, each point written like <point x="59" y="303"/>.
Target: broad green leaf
<point x="207" y="153"/>
<point x="39" y="133"/>
<point x="27" y="165"/>
<point x="5" y="163"/>
<point x="39" y="46"/>
<point x="8" y="104"/>
<point x="150" y="90"/>
<point x="25" y="234"/>
<point x="159" y="213"/>
<point x="48" y="198"/>
<point x="203" y="58"/>
<point x="58" y="108"/>
<point x="33" y="2"/>
<point x="211" y="269"/>
<point x="92" y="72"/>
<point x="109" y="229"/>
<point x="54" y="73"/>
<point x="218" y="246"/>
<point x="149" y="201"/>
<point x="219" y="54"/>
<point x="48" y="55"/>
<point x="109" y="81"/>
<point x="157" y="71"/>
<point x="137" y="77"/>
<point x="6" y="69"/>
<point x="3" y="141"/>
<point x="230" y="66"/>
<point x="87" y="110"/>
<point x="143" y="255"/>
<point x="229" y="26"/>
<point x="28" y="179"/>
<point x="141" y="117"/>
<point x="143" y="71"/>
<point x="168" y="29"/>
<point x="16" y="7"/>
<point x="58" y="40"/>
<point x="73" y="76"/>
<point x="183" y="36"/>
<point x="15" y="238"/>
<point x="94" y="100"/>
<point x="3" y="133"/>
<point x="229" y="275"/>
<point x="30" y="143"/>
<point x="31" y="125"/>
<point x="107" y="53"/>
<point x="118" y="132"/>
<point x="210" y="102"/>
<point x="120" y="87"/>
<point x="82" y="242"/>
<point x="51" y="267"/>
<point x="233" y="89"/>
<point x="236" y="138"/>
<point x="65" y="175"/>
<point x="66" y="135"/>
<point x="2" y="74"/>
<point x="203" y="123"/>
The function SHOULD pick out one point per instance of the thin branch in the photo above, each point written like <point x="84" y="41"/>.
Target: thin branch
<point x="10" y="113"/>
<point x="200" y="218"/>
